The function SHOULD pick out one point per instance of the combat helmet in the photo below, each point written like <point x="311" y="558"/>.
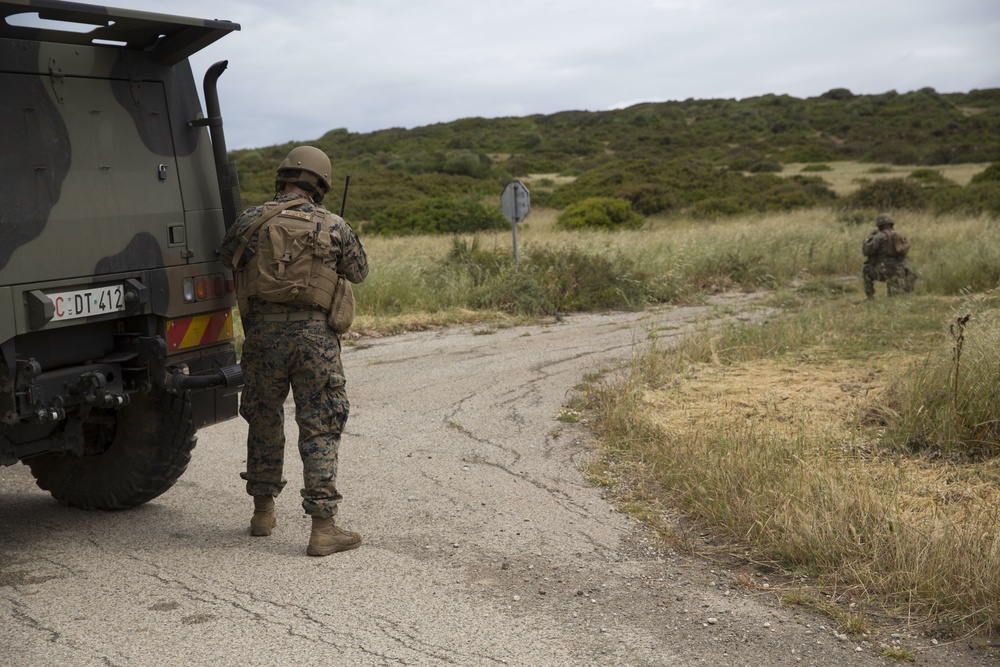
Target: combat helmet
<point x="884" y="220"/>
<point x="308" y="168"/>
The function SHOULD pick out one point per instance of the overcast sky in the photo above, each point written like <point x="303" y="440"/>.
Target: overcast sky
<point x="366" y="65"/>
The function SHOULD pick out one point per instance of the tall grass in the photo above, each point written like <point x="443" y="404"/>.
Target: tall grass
<point x="951" y="254"/>
<point x="950" y="402"/>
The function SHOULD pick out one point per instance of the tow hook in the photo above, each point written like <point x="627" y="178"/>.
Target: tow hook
<point x="93" y="389"/>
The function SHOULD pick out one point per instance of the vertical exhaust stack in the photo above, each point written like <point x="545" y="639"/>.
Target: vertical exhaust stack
<point x="229" y="180"/>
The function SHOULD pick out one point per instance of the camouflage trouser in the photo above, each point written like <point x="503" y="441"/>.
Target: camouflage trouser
<point x="897" y="276"/>
<point x="306" y="356"/>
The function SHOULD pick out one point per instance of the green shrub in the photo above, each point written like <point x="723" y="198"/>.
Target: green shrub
<point x="890" y="193"/>
<point x="989" y="175"/>
<point x="861" y="107"/>
<point x="649" y="198"/>
<point x="600" y="213"/>
<point x="811" y="153"/>
<point x="895" y="151"/>
<point x="515" y="291"/>
<point x="551" y="281"/>
<point x="838" y="94"/>
<point x="437" y="215"/>
<point x="747" y="118"/>
<point x="931" y="178"/>
<point x="461" y="143"/>
<point x="529" y="139"/>
<point x="475" y="165"/>
<point x="815" y="187"/>
<point x="973" y="199"/>
<point x="756" y="165"/>
<point x="817" y="167"/>
<point x="575" y="280"/>
<point x="765" y="167"/>
<point x="541" y="198"/>
<point x="742" y="163"/>
<point x="719" y="207"/>
<point x="787" y="196"/>
<point x="419" y="163"/>
<point x="705" y="191"/>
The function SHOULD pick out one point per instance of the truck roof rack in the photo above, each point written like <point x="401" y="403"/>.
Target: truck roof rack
<point x="168" y="39"/>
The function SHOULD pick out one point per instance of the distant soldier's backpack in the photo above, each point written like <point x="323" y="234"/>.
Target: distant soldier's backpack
<point x="899" y="245"/>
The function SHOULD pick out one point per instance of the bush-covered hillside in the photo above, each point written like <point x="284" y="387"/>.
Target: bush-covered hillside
<point x="700" y="157"/>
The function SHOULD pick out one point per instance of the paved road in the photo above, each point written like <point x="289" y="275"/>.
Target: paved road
<point x="484" y="544"/>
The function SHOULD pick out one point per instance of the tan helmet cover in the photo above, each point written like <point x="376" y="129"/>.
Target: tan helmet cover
<point x="310" y="160"/>
<point x="884" y="220"/>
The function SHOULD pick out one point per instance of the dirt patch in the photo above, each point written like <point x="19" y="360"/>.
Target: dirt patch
<point x="557" y="179"/>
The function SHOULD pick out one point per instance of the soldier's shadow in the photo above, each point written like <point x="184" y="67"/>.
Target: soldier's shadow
<point x="33" y="522"/>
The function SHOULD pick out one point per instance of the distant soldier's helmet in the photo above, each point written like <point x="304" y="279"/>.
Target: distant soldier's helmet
<point x="884" y="220"/>
<point x="308" y="168"/>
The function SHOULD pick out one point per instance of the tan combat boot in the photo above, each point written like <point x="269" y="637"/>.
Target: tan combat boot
<point x="263" y="520"/>
<point x="326" y="538"/>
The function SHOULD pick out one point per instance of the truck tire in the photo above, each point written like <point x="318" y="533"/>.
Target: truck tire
<point x="131" y="455"/>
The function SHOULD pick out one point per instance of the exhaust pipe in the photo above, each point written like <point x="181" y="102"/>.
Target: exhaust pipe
<point x="227" y="376"/>
<point x="229" y="181"/>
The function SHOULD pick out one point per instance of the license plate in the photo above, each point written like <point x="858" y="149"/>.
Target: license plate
<point x="88" y="302"/>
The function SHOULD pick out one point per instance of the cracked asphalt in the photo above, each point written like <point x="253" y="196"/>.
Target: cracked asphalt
<point x="484" y="544"/>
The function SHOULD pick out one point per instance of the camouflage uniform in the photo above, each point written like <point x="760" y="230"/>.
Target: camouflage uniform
<point x="884" y="265"/>
<point x="303" y="355"/>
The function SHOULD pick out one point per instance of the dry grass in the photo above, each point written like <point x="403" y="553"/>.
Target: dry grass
<point x="949" y="253"/>
<point x="824" y="403"/>
<point x="821" y="399"/>
<point x="785" y="459"/>
<point x="543" y="180"/>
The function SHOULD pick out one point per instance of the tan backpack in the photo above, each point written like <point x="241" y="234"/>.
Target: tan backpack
<point x="899" y="245"/>
<point x="290" y="267"/>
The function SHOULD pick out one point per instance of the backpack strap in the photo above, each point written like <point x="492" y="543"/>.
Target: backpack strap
<point x="257" y="224"/>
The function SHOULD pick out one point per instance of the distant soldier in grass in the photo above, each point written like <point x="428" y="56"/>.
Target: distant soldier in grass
<point x="885" y="252"/>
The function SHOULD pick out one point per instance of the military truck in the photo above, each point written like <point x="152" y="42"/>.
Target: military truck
<point x="116" y="320"/>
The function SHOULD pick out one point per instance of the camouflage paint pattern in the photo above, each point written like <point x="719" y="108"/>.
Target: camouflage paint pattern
<point x="103" y="178"/>
<point x="107" y="179"/>
<point x="303" y="356"/>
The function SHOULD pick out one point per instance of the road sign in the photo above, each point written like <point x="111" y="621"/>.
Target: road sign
<point x="515" y="201"/>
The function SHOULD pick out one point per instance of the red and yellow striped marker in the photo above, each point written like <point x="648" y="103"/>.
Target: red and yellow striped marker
<point x="199" y="330"/>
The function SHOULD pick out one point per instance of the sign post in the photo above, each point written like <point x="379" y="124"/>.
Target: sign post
<point x="515" y="201"/>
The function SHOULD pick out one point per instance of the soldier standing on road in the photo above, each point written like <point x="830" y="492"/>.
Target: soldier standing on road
<point x="885" y="252"/>
<point x="288" y="345"/>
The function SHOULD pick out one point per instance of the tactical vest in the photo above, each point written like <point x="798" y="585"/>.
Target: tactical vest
<point x="291" y="266"/>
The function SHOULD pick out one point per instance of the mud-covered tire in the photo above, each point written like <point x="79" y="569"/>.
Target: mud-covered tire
<point x="149" y="450"/>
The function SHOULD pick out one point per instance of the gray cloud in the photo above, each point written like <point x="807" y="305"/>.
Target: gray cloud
<point x="375" y="64"/>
